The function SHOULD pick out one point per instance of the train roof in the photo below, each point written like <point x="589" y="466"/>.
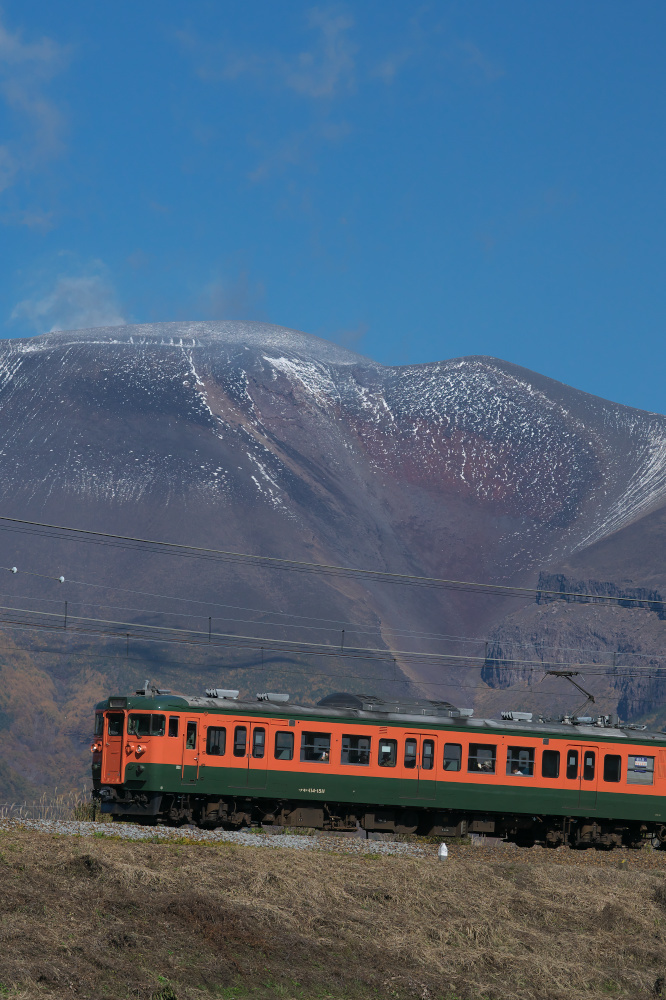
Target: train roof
<point x="369" y="708"/>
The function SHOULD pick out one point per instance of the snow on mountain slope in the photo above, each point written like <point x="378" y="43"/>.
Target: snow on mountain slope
<point x="557" y="468"/>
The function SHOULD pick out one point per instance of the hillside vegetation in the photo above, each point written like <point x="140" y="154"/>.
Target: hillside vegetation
<point x="96" y="917"/>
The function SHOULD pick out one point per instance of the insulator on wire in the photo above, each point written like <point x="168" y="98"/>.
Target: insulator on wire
<point x="61" y="579"/>
<point x="13" y="570"/>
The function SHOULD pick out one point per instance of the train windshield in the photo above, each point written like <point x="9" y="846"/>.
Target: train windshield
<point x="146" y="725"/>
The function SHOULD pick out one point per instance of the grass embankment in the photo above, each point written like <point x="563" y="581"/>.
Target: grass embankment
<point x="93" y="917"/>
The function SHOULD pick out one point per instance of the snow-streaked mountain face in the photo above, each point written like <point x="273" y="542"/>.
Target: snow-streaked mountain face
<point x="251" y="413"/>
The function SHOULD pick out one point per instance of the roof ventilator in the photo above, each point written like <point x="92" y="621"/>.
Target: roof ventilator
<point x="517" y="716"/>
<point x="272" y="696"/>
<point x="222" y="693"/>
<point x="372" y="703"/>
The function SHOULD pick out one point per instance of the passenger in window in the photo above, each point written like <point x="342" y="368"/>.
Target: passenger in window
<point x="388" y="753"/>
<point x="323" y="756"/>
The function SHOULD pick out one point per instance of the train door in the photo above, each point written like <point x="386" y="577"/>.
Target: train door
<point x="419" y="766"/>
<point x="581" y="775"/>
<point x="250" y="747"/>
<point x="189" y="771"/>
<point x="113" y="748"/>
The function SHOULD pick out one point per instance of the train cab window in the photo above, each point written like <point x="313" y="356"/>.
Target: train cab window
<point x="146" y="725"/>
<point x="428" y="755"/>
<point x="640" y="770"/>
<point x="612" y="767"/>
<point x="452" y="756"/>
<point x="284" y="746"/>
<point x="258" y="742"/>
<point x="550" y="764"/>
<point x="99" y="724"/>
<point x="589" y="760"/>
<point x="240" y="741"/>
<point x="216" y="741"/>
<point x="355" y="750"/>
<point x="411" y="747"/>
<point x="316" y="747"/>
<point x="191" y="736"/>
<point x="572" y="764"/>
<point x="115" y="723"/>
<point x="173" y="725"/>
<point x="482" y="758"/>
<point x="388" y="753"/>
<point x="520" y="761"/>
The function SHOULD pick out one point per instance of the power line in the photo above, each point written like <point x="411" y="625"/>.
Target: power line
<point x="80" y="625"/>
<point x="404" y="633"/>
<point x="349" y="571"/>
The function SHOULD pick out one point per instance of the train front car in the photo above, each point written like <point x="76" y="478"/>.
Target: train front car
<point x="356" y="761"/>
<point x="140" y="763"/>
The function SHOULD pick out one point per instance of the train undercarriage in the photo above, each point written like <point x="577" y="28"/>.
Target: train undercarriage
<point x="238" y="812"/>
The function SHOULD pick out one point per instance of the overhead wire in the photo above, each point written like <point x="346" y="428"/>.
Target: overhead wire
<point x="138" y="631"/>
<point x="329" y="568"/>
<point x="406" y="633"/>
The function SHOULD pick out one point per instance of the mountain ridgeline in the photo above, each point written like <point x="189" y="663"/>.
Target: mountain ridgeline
<point x="250" y="438"/>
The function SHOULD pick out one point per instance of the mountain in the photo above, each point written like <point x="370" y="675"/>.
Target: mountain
<point x="247" y="437"/>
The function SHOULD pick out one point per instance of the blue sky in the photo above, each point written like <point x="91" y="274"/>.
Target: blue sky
<point x="416" y="182"/>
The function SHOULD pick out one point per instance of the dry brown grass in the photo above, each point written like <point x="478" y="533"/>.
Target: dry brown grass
<point x="93" y="917"/>
<point x="57" y="805"/>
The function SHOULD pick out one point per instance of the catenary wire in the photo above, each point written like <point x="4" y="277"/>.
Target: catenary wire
<point x="301" y="565"/>
<point x="405" y="633"/>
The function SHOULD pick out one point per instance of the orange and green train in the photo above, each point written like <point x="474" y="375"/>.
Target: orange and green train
<point x="354" y="761"/>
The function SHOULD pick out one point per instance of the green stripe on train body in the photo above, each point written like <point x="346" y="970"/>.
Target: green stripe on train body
<point x="369" y="791"/>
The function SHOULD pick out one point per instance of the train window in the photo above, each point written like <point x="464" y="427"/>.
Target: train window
<point x="550" y="764"/>
<point x="482" y="757"/>
<point x="452" y="756"/>
<point x="410" y="753"/>
<point x="640" y="770"/>
<point x="99" y="724"/>
<point x="520" y="761"/>
<point x="258" y="742"/>
<point x="589" y="757"/>
<point x="572" y="764"/>
<point x="173" y="725"/>
<point x="388" y="753"/>
<point x="115" y="724"/>
<point x="612" y="767"/>
<point x="146" y="725"/>
<point x="316" y="747"/>
<point x="216" y="741"/>
<point x="355" y="750"/>
<point x="138" y="725"/>
<point x="240" y="741"/>
<point x="284" y="746"/>
<point x="428" y="755"/>
<point x="191" y="737"/>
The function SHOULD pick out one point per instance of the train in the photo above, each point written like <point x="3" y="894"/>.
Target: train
<point x="355" y="761"/>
